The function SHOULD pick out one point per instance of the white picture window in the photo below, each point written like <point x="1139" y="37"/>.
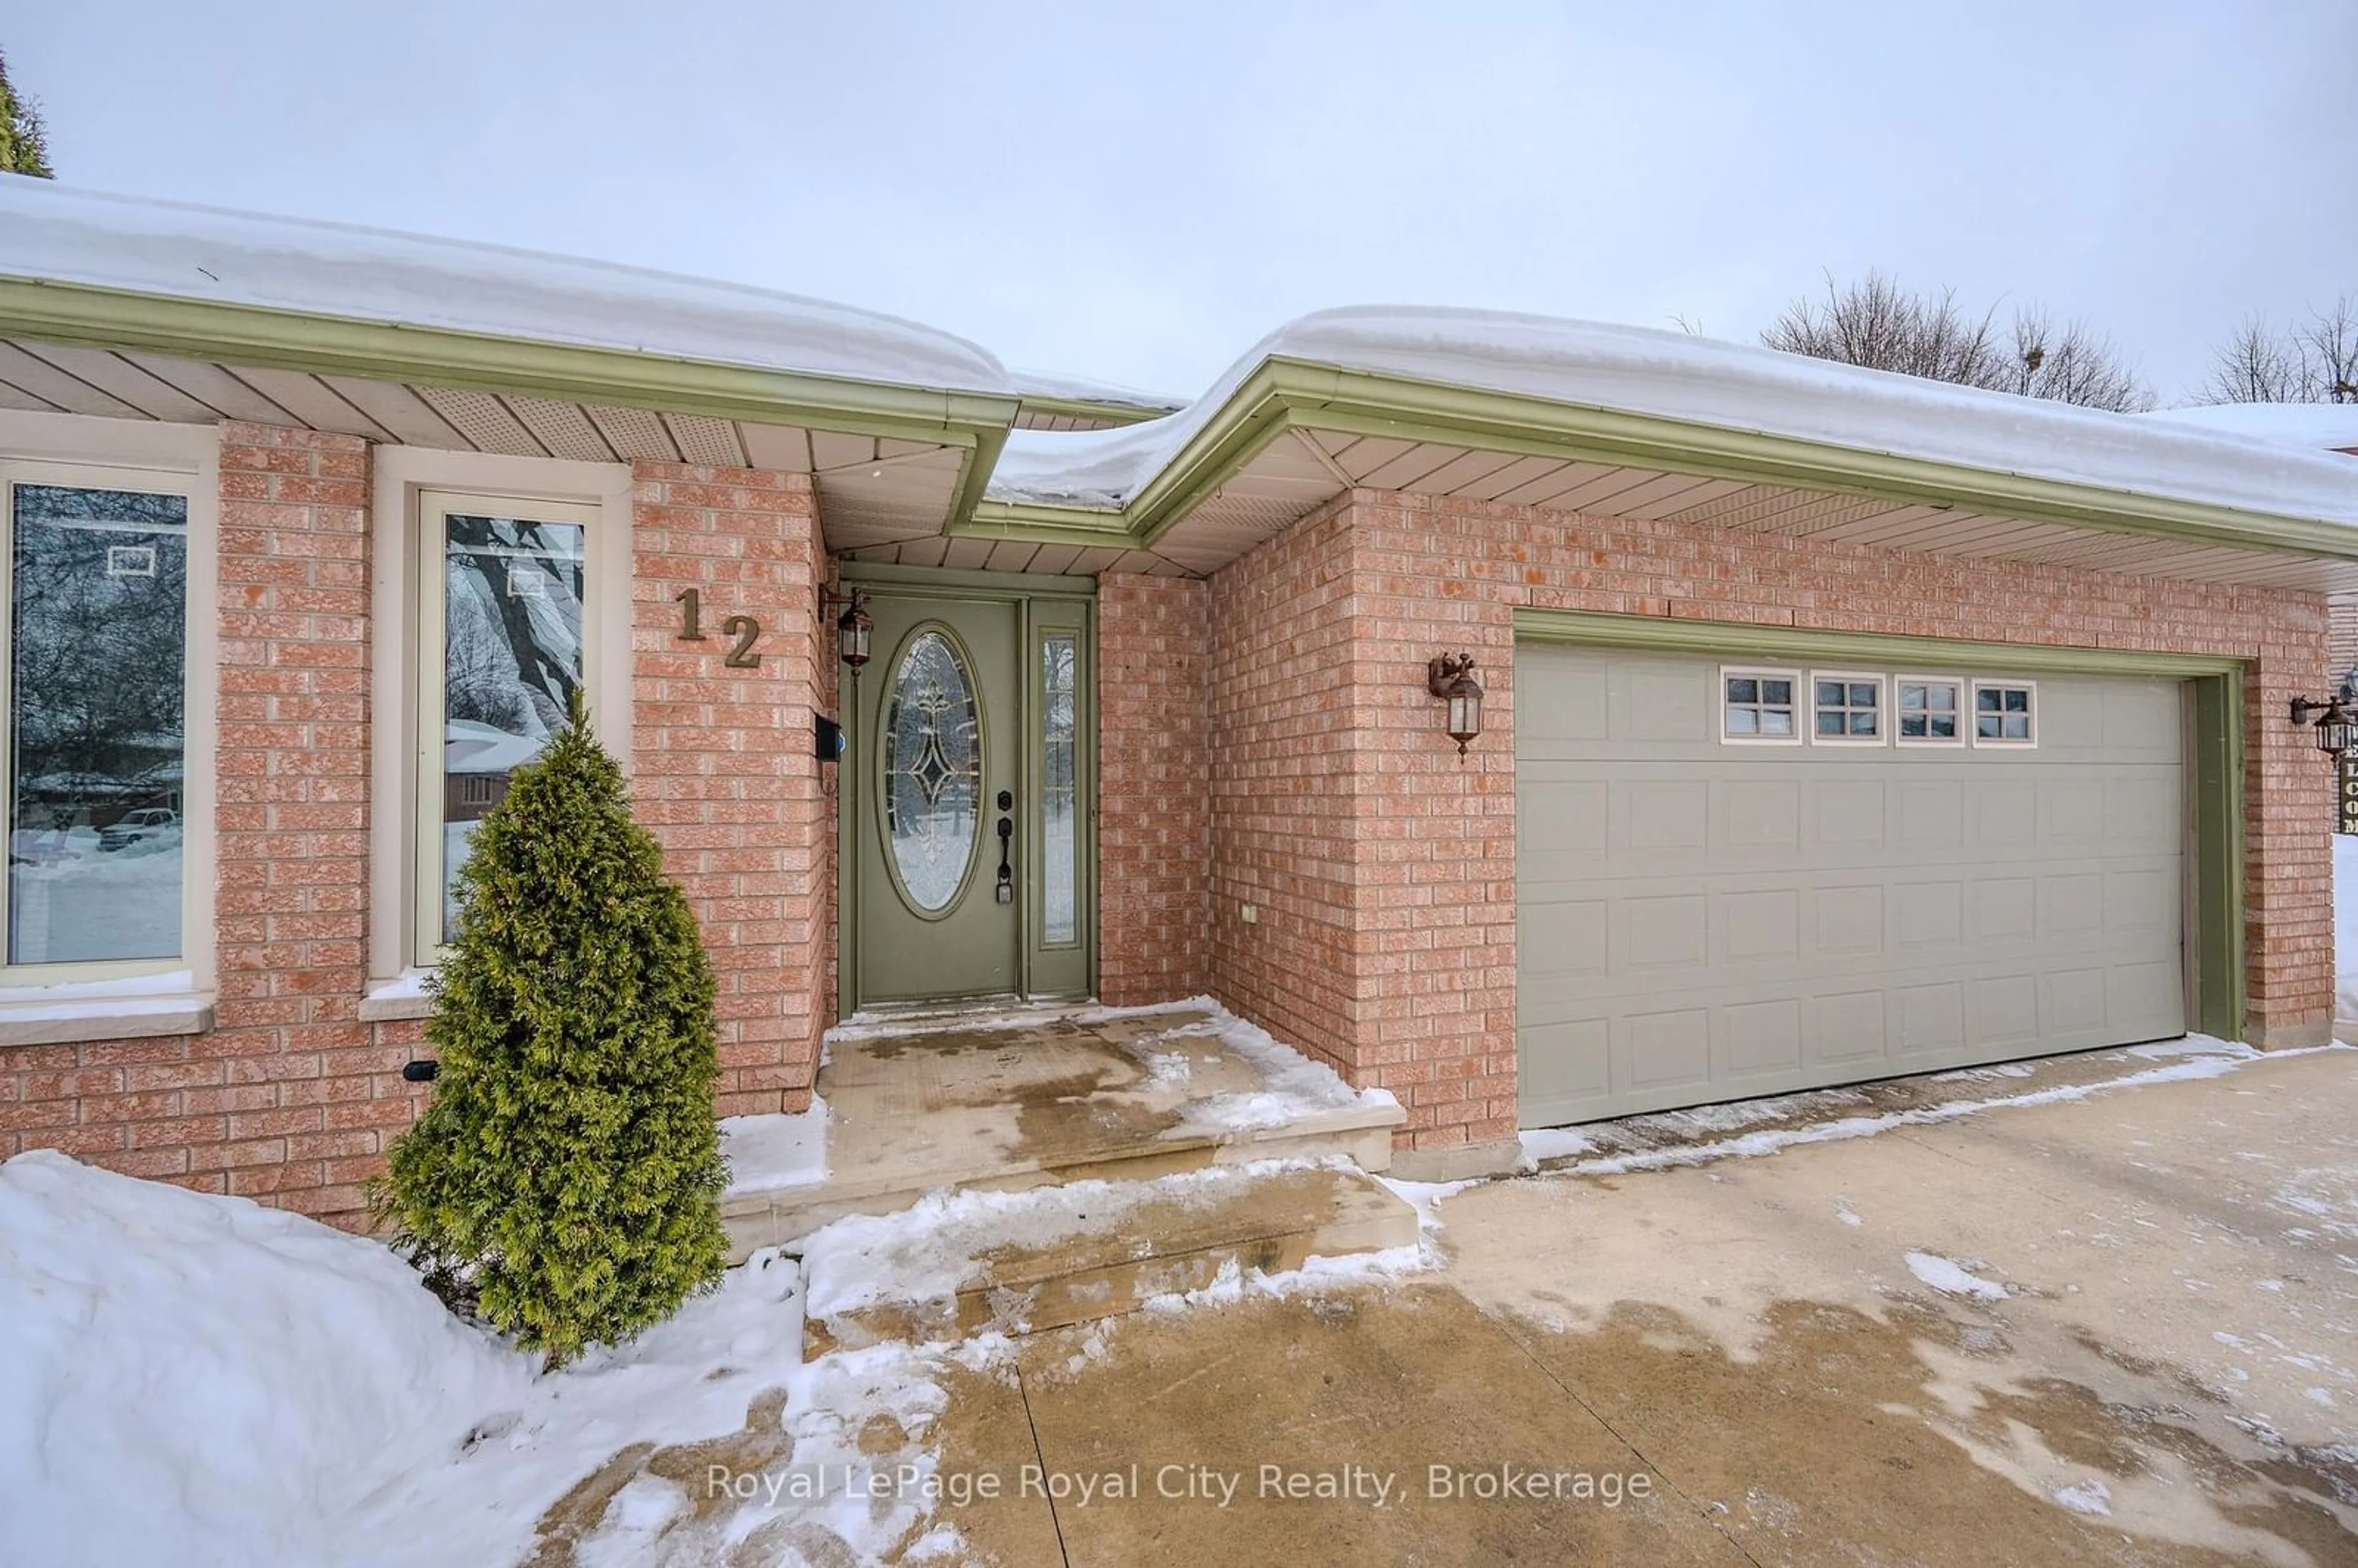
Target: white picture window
<point x="97" y="690"/>
<point x="2006" y="713"/>
<point x="1760" y="706"/>
<point x="505" y="624"/>
<point x="1847" y="708"/>
<point x="1928" y="710"/>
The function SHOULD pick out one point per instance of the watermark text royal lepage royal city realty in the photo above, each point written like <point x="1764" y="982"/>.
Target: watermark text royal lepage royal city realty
<point x="1202" y="1485"/>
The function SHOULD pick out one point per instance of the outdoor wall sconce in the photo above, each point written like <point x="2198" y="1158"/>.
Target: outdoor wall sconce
<point x="1451" y="678"/>
<point x="2336" y="727"/>
<point x="851" y="628"/>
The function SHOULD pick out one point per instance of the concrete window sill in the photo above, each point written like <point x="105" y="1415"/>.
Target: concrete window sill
<point x="49" y="1023"/>
<point x="402" y="997"/>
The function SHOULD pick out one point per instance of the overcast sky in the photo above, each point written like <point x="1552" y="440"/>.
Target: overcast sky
<point x="1136" y="192"/>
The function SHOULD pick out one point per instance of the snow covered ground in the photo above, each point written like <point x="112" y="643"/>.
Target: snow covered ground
<point x="197" y="1380"/>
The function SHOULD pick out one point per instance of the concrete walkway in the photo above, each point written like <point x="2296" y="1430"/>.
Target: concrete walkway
<point x="2121" y="1330"/>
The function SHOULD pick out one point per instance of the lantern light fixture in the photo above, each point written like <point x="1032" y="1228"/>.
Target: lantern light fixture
<point x="1450" y="678"/>
<point x="2336" y="727"/>
<point x="851" y="628"/>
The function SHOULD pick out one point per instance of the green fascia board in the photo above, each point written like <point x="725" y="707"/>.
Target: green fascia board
<point x="1679" y="634"/>
<point x="1283" y="393"/>
<point x="272" y="338"/>
<point x="1039" y="523"/>
<point x="1082" y="409"/>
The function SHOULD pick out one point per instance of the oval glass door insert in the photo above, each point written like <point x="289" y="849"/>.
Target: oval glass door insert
<point x="933" y="772"/>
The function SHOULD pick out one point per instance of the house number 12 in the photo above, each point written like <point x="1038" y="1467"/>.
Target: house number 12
<point x="744" y="628"/>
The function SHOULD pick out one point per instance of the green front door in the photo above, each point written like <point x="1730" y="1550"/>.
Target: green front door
<point x="966" y="799"/>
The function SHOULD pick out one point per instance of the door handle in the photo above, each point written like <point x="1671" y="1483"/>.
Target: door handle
<point x="1006" y="873"/>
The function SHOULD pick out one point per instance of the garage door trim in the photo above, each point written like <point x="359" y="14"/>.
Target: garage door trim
<point x="2214" y="747"/>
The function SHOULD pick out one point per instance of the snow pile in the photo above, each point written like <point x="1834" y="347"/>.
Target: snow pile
<point x="1952" y="1279"/>
<point x="767" y="1153"/>
<point x="194" y="1379"/>
<point x="190" y="1379"/>
<point x="1726" y="385"/>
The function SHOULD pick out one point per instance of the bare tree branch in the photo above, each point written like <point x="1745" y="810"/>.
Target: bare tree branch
<point x="1876" y="323"/>
<point x="2314" y="361"/>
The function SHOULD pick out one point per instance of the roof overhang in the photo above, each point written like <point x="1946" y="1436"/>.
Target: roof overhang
<point x="889" y="460"/>
<point x="1294" y="433"/>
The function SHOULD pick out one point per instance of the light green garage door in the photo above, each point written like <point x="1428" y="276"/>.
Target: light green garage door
<point x="1738" y="880"/>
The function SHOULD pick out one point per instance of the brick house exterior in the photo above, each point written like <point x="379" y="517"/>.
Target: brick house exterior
<point x="1277" y="821"/>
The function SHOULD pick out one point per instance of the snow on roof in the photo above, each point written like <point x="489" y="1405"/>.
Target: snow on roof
<point x="56" y="233"/>
<point x="1729" y="385"/>
<point x="2217" y="456"/>
<point x="1080" y="389"/>
<point x="2308" y="427"/>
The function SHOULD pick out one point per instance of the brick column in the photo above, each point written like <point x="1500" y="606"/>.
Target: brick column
<point x="1153" y="789"/>
<point x="723" y="769"/>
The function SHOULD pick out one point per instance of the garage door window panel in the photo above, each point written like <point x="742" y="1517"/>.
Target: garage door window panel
<point x="1760" y="707"/>
<point x="2006" y="713"/>
<point x="1930" y="710"/>
<point x="1847" y="708"/>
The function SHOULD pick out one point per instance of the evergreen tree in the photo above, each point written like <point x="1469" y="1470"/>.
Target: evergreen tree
<point x="24" y="146"/>
<point x="568" y="1173"/>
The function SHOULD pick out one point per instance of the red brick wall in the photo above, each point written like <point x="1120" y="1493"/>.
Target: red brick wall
<point x="1339" y="802"/>
<point x="1153" y="777"/>
<point x="1285" y="825"/>
<point x="724" y="773"/>
<point x="289" y="1098"/>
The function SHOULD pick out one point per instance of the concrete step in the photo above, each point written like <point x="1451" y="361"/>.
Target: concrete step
<point x="1047" y="1096"/>
<point x="972" y="1262"/>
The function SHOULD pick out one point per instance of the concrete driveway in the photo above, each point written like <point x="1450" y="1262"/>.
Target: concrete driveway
<point x="2118" y="1330"/>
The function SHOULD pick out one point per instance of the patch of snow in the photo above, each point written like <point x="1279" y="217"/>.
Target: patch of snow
<point x="1728" y="385"/>
<point x="1950" y="1279"/>
<point x="2089" y="1497"/>
<point x="2215" y="1058"/>
<point x="1081" y="389"/>
<point x="928" y="1252"/>
<point x="1843" y="1212"/>
<point x="409" y="985"/>
<point x="1293" y="1085"/>
<point x="53" y="231"/>
<point x="1426" y="1198"/>
<point x="767" y="1153"/>
<point x="2319" y="1397"/>
<point x="1169" y="1069"/>
<point x="2304" y="426"/>
<point x="1552" y="1143"/>
<point x="187" y="1378"/>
